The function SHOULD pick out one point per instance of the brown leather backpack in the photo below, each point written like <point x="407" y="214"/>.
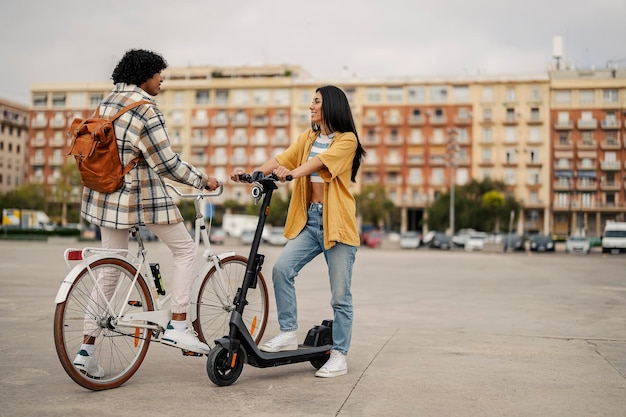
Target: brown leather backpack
<point x="94" y="147"/>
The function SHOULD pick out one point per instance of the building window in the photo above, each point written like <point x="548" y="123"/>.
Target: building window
<point x="487" y="114"/>
<point x="487" y="137"/>
<point x="95" y="99"/>
<point x="417" y="94"/>
<point x="488" y="94"/>
<point x="221" y="97"/>
<point x="58" y="100"/>
<point x="395" y="95"/>
<point x="509" y="135"/>
<point x="460" y="93"/>
<point x="586" y="96"/>
<point x="241" y="97"/>
<point x="535" y="93"/>
<point x="373" y="95"/>
<point x="534" y="135"/>
<point x="610" y="95"/>
<point x="510" y="94"/>
<point x="40" y="100"/>
<point x="261" y="97"/>
<point x="281" y="97"/>
<point x="202" y="97"/>
<point x="563" y="96"/>
<point x="439" y="94"/>
<point x="486" y="155"/>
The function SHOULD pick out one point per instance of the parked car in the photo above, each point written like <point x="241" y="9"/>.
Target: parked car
<point x="247" y="236"/>
<point x="541" y="243"/>
<point x="409" y="240"/>
<point x="275" y="236"/>
<point x="375" y="238"/>
<point x="440" y="241"/>
<point x="217" y="236"/>
<point x="146" y="234"/>
<point x="476" y="241"/>
<point x="462" y="236"/>
<point x="577" y="244"/>
<point x="513" y="242"/>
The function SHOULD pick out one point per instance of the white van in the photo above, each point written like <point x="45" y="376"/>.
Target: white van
<point x="614" y="237"/>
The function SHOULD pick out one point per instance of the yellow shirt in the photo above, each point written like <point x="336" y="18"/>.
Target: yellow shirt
<point x="339" y="215"/>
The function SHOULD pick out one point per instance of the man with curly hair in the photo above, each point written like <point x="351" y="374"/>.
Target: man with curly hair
<point x="143" y="198"/>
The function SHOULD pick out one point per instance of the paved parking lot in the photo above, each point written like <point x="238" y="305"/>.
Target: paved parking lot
<point x="436" y="333"/>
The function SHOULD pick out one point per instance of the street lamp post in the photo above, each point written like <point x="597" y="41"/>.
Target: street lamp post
<point x="452" y="149"/>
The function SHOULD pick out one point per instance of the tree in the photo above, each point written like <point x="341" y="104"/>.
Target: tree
<point x="478" y="205"/>
<point x="65" y="184"/>
<point x="374" y="206"/>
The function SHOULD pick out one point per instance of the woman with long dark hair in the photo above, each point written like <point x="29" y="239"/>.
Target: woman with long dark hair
<point x="321" y="219"/>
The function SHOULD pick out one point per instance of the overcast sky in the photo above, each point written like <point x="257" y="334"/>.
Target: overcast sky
<point x="81" y="40"/>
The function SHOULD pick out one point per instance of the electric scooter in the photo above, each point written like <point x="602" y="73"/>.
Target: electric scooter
<point x="226" y="359"/>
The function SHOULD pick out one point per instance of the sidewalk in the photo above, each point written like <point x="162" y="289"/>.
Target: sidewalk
<point x="436" y="333"/>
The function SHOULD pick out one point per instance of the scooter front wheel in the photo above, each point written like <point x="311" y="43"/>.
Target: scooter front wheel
<point x="219" y="369"/>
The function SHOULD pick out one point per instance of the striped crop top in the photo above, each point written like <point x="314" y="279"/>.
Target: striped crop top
<point x="322" y="142"/>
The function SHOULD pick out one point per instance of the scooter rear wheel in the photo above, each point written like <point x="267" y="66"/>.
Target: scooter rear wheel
<point x="219" y="368"/>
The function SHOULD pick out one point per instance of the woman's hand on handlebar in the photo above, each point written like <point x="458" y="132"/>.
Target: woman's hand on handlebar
<point x="212" y="184"/>
<point x="283" y="174"/>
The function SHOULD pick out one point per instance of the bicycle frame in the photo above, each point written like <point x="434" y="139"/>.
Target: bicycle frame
<point x="159" y="315"/>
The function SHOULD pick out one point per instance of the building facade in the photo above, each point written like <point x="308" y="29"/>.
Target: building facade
<point x="13" y="144"/>
<point x="421" y="135"/>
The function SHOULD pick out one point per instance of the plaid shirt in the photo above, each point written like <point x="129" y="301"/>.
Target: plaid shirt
<point x="143" y="198"/>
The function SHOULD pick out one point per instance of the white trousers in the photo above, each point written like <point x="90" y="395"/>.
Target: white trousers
<point x="183" y="249"/>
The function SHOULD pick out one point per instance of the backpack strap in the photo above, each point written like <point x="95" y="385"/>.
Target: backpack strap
<point x="133" y="163"/>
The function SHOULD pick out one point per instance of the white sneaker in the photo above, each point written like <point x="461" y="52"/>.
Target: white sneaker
<point x="281" y="342"/>
<point x="187" y="340"/>
<point x="88" y="365"/>
<point x="336" y="365"/>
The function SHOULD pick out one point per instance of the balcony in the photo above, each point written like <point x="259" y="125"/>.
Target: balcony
<point x="610" y="124"/>
<point x="586" y="185"/>
<point x="218" y="160"/>
<point x="587" y="124"/>
<point x="438" y="120"/>
<point x="510" y="120"/>
<point x="200" y="160"/>
<point x="417" y="120"/>
<point x="57" y="142"/>
<point x="394" y="140"/>
<point x="219" y="140"/>
<point x="587" y="166"/>
<point x="38" y="142"/>
<point x="534" y="120"/>
<point x="240" y="120"/>
<point x="564" y="145"/>
<point x="438" y="160"/>
<point x="260" y="121"/>
<point x="199" y="141"/>
<point x="559" y="185"/>
<point x="564" y="125"/>
<point x="611" y="144"/>
<point x="462" y="120"/>
<point x="39" y="123"/>
<point x="219" y="121"/>
<point x="239" y="140"/>
<point x="610" y="165"/>
<point x="371" y="140"/>
<point x="199" y="122"/>
<point x="58" y="123"/>
<point x="280" y="140"/>
<point x="587" y="145"/>
<point x="393" y="161"/>
<point x="393" y="120"/>
<point x="280" y="121"/>
<point x="371" y="160"/>
<point x="371" y="120"/>
<point x="614" y="185"/>
<point x="563" y="166"/>
<point x="412" y="160"/>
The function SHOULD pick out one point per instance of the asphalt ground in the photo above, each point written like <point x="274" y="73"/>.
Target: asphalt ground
<point x="436" y="333"/>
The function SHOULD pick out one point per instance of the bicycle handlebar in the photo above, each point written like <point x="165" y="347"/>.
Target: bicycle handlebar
<point x="202" y="193"/>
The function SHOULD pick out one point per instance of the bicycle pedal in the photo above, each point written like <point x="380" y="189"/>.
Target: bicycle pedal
<point x="190" y="353"/>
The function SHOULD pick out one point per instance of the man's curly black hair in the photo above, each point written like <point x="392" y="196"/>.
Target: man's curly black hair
<point x="137" y="66"/>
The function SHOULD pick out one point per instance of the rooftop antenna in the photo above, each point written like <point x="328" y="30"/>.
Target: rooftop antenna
<point x="557" y="50"/>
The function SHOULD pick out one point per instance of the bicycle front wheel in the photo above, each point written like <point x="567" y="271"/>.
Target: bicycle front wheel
<point x="91" y="311"/>
<point x="215" y="301"/>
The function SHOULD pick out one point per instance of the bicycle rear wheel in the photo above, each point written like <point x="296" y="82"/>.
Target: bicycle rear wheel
<point x="215" y="302"/>
<point x="119" y="351"/>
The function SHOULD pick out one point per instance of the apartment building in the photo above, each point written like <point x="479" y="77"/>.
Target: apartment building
<point x="13" y="141"/>
<point x="421" y="134"/>
<point x="589" y="156"/>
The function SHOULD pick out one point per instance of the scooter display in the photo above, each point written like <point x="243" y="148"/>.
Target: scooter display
<point x="225" y="361"/>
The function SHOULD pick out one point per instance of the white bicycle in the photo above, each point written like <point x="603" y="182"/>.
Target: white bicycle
<point x="121" y="297"/>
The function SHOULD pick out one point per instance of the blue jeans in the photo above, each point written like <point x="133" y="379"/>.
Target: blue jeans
<point x="297" y="253"/>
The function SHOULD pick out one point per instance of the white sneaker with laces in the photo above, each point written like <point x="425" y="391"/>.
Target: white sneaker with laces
<point x="88" y="365"/>
<point x="336" y="365"/>
<point x="187" y="340"/>
<point x="281" y="342"/>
